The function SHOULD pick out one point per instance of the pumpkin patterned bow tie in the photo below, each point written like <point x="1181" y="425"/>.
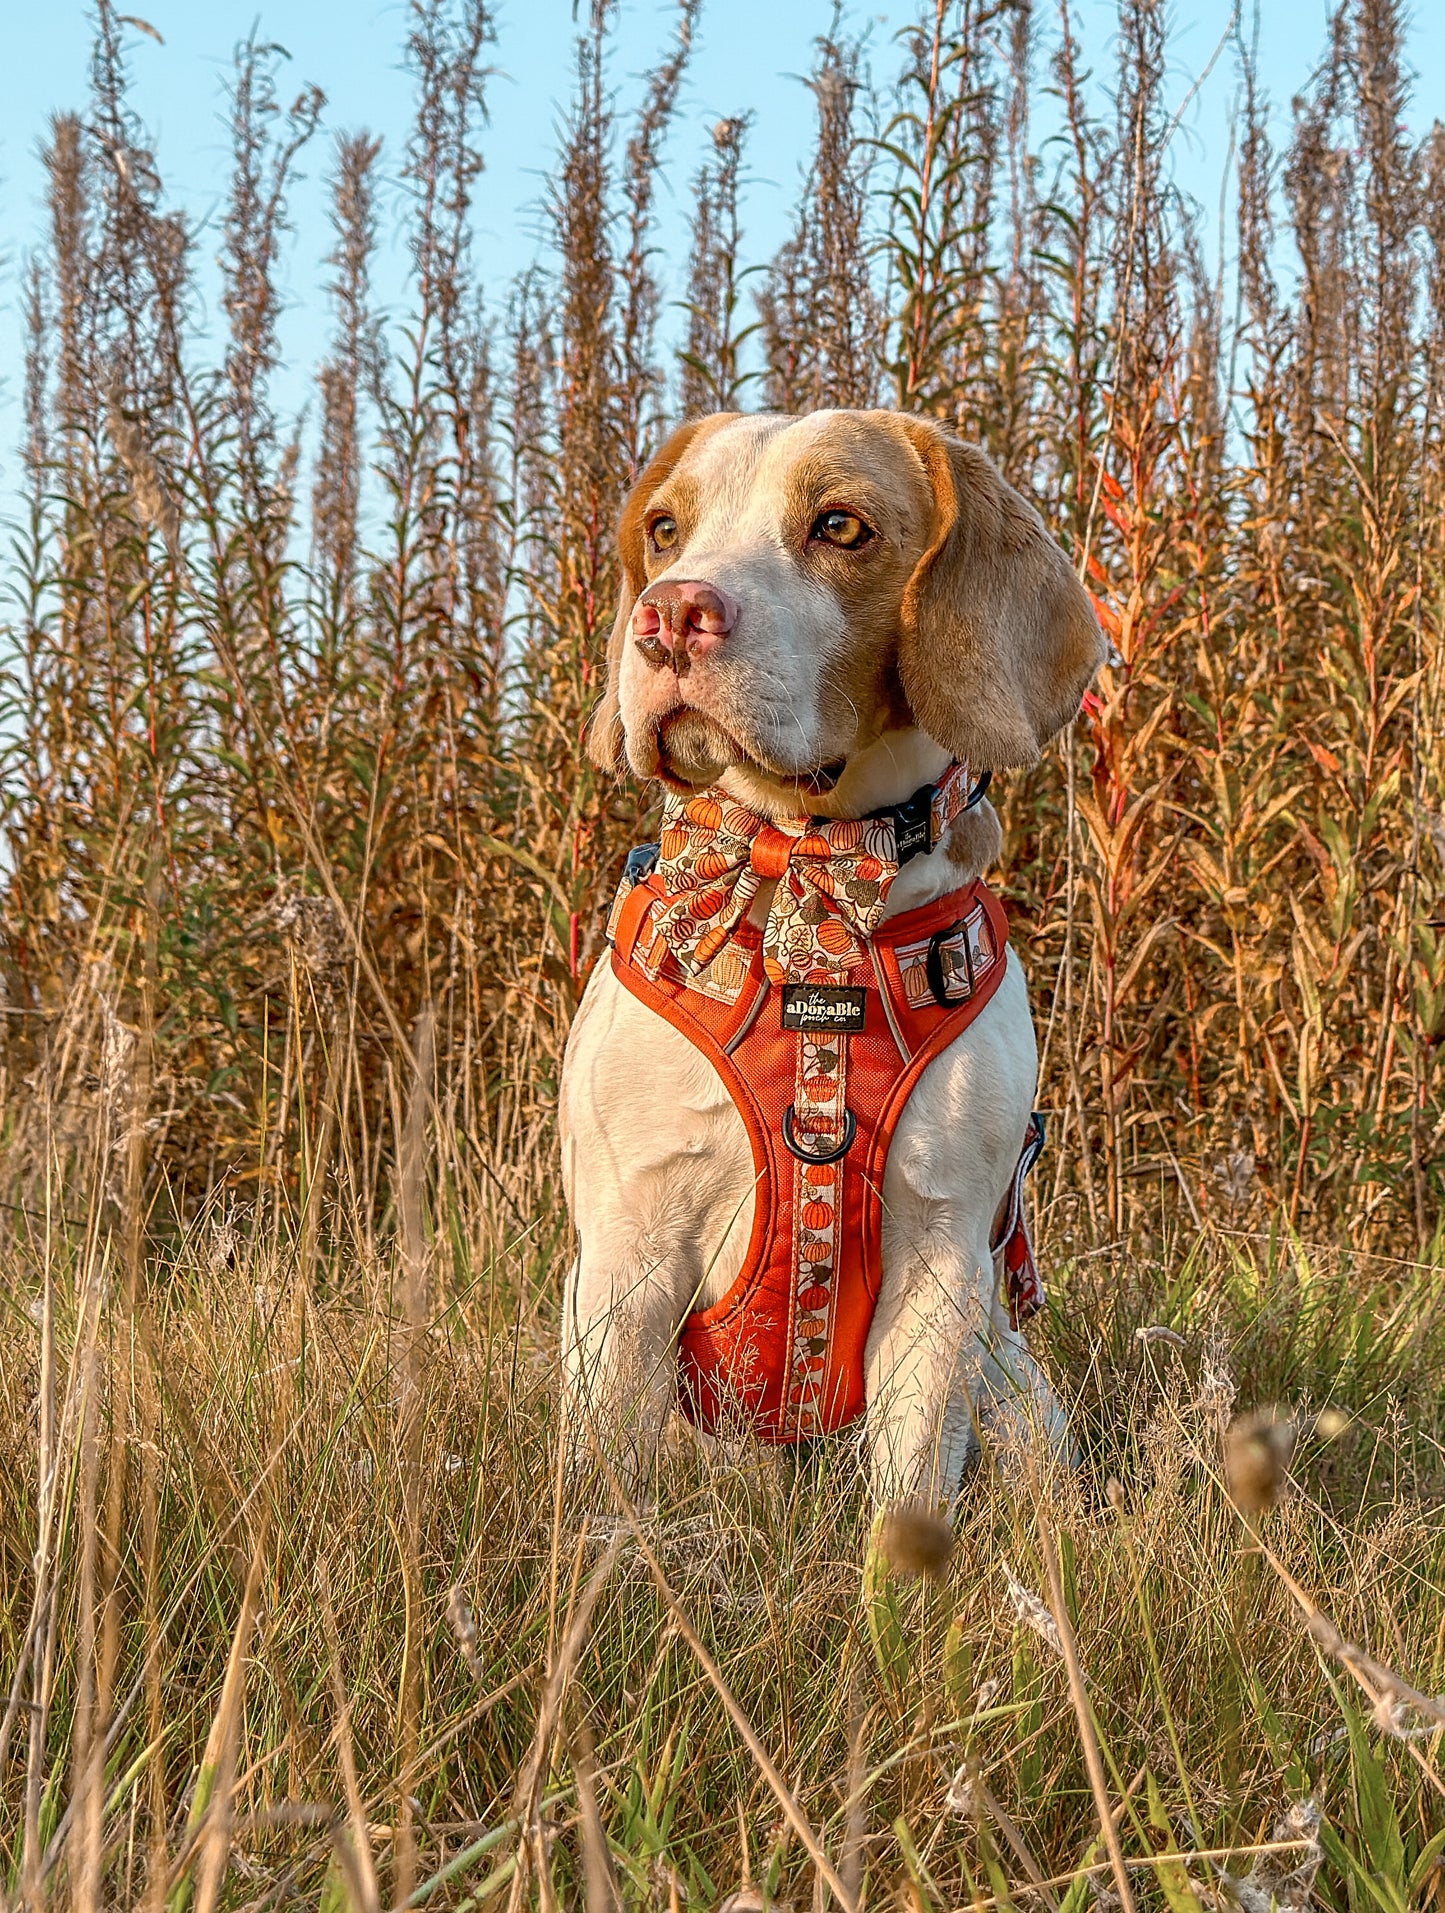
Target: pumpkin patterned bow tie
<point x="832" y="876"/>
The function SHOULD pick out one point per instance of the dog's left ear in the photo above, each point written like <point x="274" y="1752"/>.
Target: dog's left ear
<point x="998" y="640"/>
<point x="606" y="743"/>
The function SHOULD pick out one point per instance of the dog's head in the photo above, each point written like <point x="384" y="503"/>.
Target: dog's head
<point x="813" y="608"/>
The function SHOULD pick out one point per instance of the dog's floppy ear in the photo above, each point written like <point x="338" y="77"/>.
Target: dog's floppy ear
<point x="998" y="640"/>
<point x="606" y="745"/>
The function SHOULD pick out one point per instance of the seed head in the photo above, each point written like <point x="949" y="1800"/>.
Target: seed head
<point x="222" y="1253"/>
<point x="117" y="1053"/>
<point x="1283" y="1882"/>
<point x="916" y="1542"/>
<point x="153" y="503"/>
<point x="1031" y="1610"/>
<point x="1156" y="1332"/>
<point x="1258" y="1448"/>
<point x="464" y="1627"/>
<point x="962" y="1796"/>
<point x="1235" y="1176"/>
<point x="317" y="934"/>
<point x="1218" y="1390"/>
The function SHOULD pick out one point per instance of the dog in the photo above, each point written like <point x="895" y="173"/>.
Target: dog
<point x="828" y="626"/>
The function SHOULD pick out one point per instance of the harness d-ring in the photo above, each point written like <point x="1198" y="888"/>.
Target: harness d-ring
<point x="835" y="1154"/>
<point x="933" y="962"/>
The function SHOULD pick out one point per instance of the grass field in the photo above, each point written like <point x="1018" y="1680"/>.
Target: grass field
<point x="303" y="868"/>
<point x="305" y="1615"/>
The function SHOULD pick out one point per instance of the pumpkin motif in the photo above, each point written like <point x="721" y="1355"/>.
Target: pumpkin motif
<point x="817" y="1215"/>
<point x="711" y="838"/>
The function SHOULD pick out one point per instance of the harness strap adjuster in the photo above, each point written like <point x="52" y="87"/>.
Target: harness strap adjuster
<point x="933" y="962"/>
<point x="835" y="1154"/>
<point x="641" y="862"/>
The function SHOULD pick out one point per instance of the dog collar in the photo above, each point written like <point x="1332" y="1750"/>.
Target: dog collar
<point x="917" y="825"/>
<point x="920" y="820"/>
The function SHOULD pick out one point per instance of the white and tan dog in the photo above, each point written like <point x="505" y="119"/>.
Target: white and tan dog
<point x="819" y="614"/>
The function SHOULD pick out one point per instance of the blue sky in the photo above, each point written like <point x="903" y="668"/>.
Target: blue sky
<point x="746" y="58"/>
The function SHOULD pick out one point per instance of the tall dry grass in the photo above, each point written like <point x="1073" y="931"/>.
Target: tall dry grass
<point x="303" y="875"/>
<point x="293" y="754"/>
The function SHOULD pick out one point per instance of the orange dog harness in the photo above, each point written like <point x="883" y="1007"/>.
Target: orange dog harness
<point x="819" y="1069"/>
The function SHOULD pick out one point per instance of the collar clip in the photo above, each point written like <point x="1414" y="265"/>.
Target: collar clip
<point x="913" y="818"/>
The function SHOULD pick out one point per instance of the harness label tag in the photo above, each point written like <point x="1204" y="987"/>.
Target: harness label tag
<point x="824" y="1006"/>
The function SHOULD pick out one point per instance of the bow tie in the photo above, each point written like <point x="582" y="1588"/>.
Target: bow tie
<point x="832" y="877"/>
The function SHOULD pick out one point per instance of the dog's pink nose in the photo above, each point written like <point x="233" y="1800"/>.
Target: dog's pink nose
<point x="679" y="619"/>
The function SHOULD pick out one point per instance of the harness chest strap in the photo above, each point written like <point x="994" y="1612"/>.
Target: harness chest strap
<point x="819" y="1074"/>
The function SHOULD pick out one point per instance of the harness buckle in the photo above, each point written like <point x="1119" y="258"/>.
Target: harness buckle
<point x="835" y="1154"/>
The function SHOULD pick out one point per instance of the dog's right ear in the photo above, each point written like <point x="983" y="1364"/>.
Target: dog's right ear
<point x="606" y="742"/>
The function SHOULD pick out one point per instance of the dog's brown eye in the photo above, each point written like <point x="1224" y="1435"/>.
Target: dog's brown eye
<point x="845" y="529"/>
<point x="663" y="532"/>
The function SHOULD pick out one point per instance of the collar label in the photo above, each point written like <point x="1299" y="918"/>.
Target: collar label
<point x="913" y="824"/>
<point x="831" y="1007"/>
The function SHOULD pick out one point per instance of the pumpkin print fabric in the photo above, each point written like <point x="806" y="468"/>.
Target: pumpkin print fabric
<point x="832" y="876"/>
<point x="820" y="1101"/>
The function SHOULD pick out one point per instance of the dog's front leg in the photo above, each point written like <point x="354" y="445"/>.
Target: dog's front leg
<point x="659" y="1181"/>
<point x="619" y="1346"/>
<point x="925" y="1367"/>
